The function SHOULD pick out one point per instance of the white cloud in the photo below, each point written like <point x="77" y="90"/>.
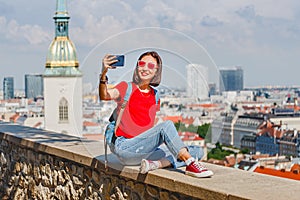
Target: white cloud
<point x="165" y="15"/>
<point x="110" y="17"/>
<point x="277" y="9"/>
<point x="96" y="30"/>
<point x="247" y="12"/>
<point x="253" y="27"/>
<point x="32" y="34"/>
<point x="210" y="21"/>
<point x="2" y="24"/>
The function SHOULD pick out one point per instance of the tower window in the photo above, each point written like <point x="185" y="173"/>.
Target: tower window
<point x="63" y="111"/>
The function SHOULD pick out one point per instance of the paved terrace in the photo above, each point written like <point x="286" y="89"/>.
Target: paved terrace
<point x="45" y="165"/>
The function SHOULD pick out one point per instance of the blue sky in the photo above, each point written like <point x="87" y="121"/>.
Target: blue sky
<point x="261" y="36"/>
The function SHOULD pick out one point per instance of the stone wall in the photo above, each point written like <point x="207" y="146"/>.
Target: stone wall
<point x="29" y="174"/>
<point x="37" y="164"/>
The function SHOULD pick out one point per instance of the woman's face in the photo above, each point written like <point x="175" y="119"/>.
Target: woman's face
<point x="146" y="72"/>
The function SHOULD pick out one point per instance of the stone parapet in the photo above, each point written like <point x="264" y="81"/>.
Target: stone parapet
<point x="38" y="164"/>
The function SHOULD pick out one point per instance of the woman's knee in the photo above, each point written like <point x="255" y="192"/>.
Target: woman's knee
<point x="168" y="123"/>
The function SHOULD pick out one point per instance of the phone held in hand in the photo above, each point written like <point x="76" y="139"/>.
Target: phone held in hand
<point x="120" y="62"/>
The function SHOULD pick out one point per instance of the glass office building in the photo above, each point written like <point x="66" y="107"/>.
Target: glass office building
<point x="231" y="79"/>
<point x="8" y="88"/>
<point x="33" y="85"/>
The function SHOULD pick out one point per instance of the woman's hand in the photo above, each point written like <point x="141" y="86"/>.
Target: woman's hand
<point x="104" y="92"/>
<point x="107" y="61"/>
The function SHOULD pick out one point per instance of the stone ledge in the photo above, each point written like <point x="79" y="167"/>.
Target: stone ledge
<point x="227" y="183"/>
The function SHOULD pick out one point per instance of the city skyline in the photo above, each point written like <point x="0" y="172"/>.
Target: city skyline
<point x="262" y="39"/>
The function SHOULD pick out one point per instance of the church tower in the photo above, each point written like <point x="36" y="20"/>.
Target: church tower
<point x="62" y="79"/>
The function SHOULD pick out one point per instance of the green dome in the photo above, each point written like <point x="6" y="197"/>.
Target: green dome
<point x="62" y="58"/>
<point x="61" y="53"/>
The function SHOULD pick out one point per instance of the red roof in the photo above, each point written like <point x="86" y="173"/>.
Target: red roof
<point x="93" y="136"/>
<point x="269" y="127"/>
<point x="37" y="124"/>
<point x="87" y="123"/>
<point x="90" y="116"/>
<point x="189" y="136"/>
<point x="14" y="118"/>
<point x="188" y="120"/>
<point x="255" y="157"/>
<point x="173" y="118"/>
<point x="204" y="105"/>
<point x="293" y="174"/>
<point x="295" y="107"/>
<point x="208" y="105"/>
<point x="11" y="101"/>
<point x="216" y="162"/>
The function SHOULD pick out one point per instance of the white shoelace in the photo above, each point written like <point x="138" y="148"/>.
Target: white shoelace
<point x="199" y="166"/>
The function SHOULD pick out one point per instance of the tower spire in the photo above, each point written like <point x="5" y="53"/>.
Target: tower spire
<point x="62" y="58"/>
<point x="61" y="19"/>
<point x="61" y="7"/>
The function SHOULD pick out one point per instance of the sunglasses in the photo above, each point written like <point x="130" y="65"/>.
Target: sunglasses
<point x="149" y="64"/>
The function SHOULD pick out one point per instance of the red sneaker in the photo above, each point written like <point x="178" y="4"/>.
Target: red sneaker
<point x="197" y="170"/>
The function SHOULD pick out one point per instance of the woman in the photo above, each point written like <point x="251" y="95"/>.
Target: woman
<point x="138" y="140"/>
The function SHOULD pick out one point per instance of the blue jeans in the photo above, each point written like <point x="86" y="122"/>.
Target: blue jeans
<point x="161" y="141"/>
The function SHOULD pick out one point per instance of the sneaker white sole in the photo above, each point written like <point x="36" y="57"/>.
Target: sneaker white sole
<point x="204" y="174"/>
<point x="144" y="168"/>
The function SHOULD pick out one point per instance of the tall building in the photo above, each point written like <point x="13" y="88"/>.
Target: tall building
<point x="34" y="86"/>
<point x="197" y="81"/>
<point x="212" y="89"/>
<point x="231" y="79"/>
<point x="62" y="79"/>
<point x="8" y="88"/>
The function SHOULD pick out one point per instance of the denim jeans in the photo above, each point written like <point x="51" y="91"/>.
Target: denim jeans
<point x="161" y="141"/>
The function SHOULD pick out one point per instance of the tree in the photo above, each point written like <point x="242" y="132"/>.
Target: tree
<point x="179" y="126"/>
<point x="204" y="130"/>
<point x="218" y="153"/>
<point x="245" y="151"/>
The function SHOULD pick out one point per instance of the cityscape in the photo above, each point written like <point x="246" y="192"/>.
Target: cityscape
<point x="256" y="129"/>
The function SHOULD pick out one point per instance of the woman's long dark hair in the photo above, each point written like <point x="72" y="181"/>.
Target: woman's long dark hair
<point x="157" y="77"/>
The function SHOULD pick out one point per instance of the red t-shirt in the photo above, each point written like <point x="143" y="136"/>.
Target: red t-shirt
<point x="139" y="113"/>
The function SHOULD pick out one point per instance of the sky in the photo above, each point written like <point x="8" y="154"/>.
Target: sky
<point x="261" y="36"/>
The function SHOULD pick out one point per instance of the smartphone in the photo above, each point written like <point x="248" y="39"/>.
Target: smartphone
<point x="120" y="62"/>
